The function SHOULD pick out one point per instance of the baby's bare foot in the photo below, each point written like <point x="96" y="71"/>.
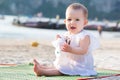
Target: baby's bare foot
<point x="37" y="68"/>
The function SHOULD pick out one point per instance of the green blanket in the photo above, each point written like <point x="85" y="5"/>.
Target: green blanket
<point x="25" y="72"/>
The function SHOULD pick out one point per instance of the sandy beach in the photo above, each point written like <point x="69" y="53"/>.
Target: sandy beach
<point x="20" y="51"/>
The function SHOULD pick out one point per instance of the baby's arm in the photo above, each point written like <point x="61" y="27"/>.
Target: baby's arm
<point x="84" y="44"/>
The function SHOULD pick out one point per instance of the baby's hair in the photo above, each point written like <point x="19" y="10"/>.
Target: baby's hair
<point x="79" y="6"/>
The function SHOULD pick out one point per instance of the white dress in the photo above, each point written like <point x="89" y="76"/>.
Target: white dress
<point x="73" y="64"/>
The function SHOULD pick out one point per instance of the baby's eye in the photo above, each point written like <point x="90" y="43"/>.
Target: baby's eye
<point x="69" y="19"/>
<point x="77" y="19"/>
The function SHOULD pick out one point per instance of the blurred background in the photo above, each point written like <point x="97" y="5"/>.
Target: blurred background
<point x="103" y="9"/>
<point x="25" y="22"/>
<point x="50" y="13"/>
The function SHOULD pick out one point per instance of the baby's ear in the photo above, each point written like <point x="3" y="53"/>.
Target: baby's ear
<point x="65" y="21"/>
<point x="86" y="21"/>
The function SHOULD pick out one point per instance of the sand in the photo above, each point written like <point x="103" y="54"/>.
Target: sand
<point x="107" y="56"/>
<point x="20" y="51"/>
<point x="17" y="51"/>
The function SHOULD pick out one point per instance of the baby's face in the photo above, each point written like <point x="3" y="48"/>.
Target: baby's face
<point x="75" y="20"/>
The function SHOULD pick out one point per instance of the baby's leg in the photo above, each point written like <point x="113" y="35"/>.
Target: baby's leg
<point x="45" y="71"/>
<point x="41" y="66"/>
<point x="49" y="72"/>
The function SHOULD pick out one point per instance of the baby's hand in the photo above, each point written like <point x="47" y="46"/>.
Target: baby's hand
<point x="66" y="47"/>
<point x="58" y="36"/>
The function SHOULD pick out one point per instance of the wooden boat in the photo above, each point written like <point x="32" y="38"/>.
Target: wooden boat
<point x="95" y="27"/>
<point x="54" y="24"/>
<point x="36" y="24"/>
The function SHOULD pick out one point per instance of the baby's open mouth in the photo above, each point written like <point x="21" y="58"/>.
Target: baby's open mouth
<point x="73" y="27"/>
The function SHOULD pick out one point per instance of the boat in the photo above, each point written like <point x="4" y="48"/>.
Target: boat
<point x="47" y="23"/>
<point x="110" y="26"/>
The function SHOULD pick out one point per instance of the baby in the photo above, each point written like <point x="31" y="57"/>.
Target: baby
<point x="73" y="50"/>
